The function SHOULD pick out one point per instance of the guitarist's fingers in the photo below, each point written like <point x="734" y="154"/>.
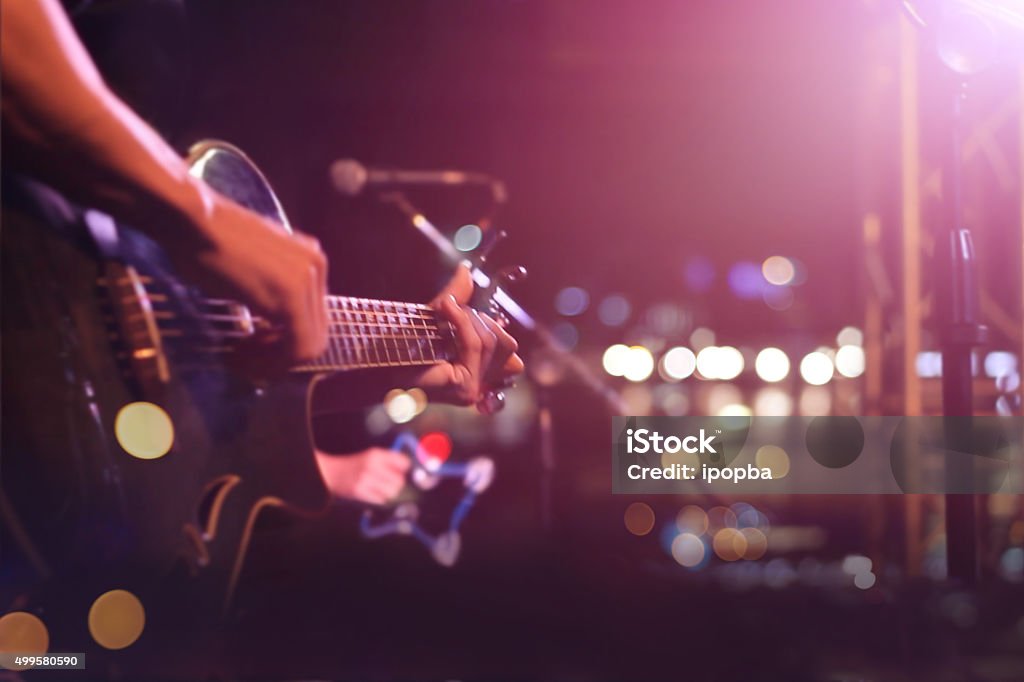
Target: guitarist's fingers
<point x="488" y="342"/>
<point x="505" y="362"/>
<point x="392" y="461"/>
<point x="466" y="376"/>
<point x="460" y="286"/>
<point x="317" y="292"/>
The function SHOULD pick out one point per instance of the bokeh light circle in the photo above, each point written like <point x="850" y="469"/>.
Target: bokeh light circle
<point x="616" y="359"/>
<point x="774" y="458"/>
<point x="755" y="543"/>
<point x="772" y="365"/>
<point x="778" y="270"/>
<point x="116" y="619"/>
<point x="692" y="519"/>
<point x="816" y="368"/>
<point x="639" y="364"/>
<point x="144" y="430"/>
<point x="22" y="632"/>
<point x="678" y="363"/>
<point x="639" y="518"/>
<point x="468" y="237"/>
<point x="688" y="550"/>
<point x="729" y="544"/>
<point x="572" y="301"/>
<point x="850" y="361"/>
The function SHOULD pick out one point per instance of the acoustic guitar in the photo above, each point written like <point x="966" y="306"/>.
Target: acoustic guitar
<point x="131" y="451"/>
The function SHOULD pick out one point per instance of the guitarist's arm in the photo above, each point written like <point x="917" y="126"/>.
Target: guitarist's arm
<point x="63" y="126"/>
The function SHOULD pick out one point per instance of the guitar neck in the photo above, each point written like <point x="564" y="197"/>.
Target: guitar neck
<point x="367" y="333"/>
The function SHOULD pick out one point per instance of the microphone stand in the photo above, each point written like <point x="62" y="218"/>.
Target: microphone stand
<point x="513" y="310"/>
<point x="960" y="332"/>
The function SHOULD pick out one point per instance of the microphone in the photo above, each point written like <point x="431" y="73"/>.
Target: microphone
<point x="351" y="178"/>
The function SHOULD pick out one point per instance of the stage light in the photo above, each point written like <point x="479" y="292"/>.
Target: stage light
<point x="468" y="237"/>
<point x="755" y="543"/>
<point x="855" y="564"/>
<point x="778" y="270"/>
<point x="692" y="519"/>
<point x="746" y="280"/>
<point x="729" y="544"/>
<point x="850" y="361"/>
<point x="419" y="398"/>
<point x="144" y="430"/>
<point x="688" y="550"/>
<point x="639" y="364"/>
<point x="816" y="368"/>
<point x="773" y="402"/>
<point x="639" y="518"/>
<point x="929" y="364"/>
<point x="116" y="619"/>
<point x="750" y="517"/>
<point x="864" y="581"/>
<point x="720" y="362"/>
<point x="730" y="363"/>
<point x="1012" y="564"/>
<point x="615" y="359"/>
<point x="572" y="301"/>
<point x="400" y="406"/>
<point x="772" y="365"/>
<point x="1000" y="363"/>
<point x="677" y="364"/>
<point x="972" y="35"/>
<point x="774" y="458"/>
<point x="614" y="310"/>
<point x="720" y="517"/>
<point x="22" y="632"/>
<point x="1009" y="382"/>
<point x="850" y="336"/>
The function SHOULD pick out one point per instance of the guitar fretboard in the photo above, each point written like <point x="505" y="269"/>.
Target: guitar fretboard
<point x="370" y="333"/>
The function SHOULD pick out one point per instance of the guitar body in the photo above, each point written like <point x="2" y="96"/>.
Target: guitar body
<point x="95" y="323"/>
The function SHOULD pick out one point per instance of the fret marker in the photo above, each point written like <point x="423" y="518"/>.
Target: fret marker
<point x="144" y="430"/>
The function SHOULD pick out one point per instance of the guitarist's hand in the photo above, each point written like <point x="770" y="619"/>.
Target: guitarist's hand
<point x="66" y="127"/>
<point x="375" y="475"/>
<point x="487" y="353"/>
<point x="282" y="277"/>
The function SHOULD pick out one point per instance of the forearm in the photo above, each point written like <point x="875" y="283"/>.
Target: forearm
<point x="68" y="129"/>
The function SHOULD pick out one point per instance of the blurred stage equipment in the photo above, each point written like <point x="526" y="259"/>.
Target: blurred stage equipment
<point x="351" y="177"/>
<point x="970" y="36"/>
<point x="476" y="474"/>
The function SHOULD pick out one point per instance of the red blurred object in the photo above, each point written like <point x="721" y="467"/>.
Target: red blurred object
<point x="434" y="448"/>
